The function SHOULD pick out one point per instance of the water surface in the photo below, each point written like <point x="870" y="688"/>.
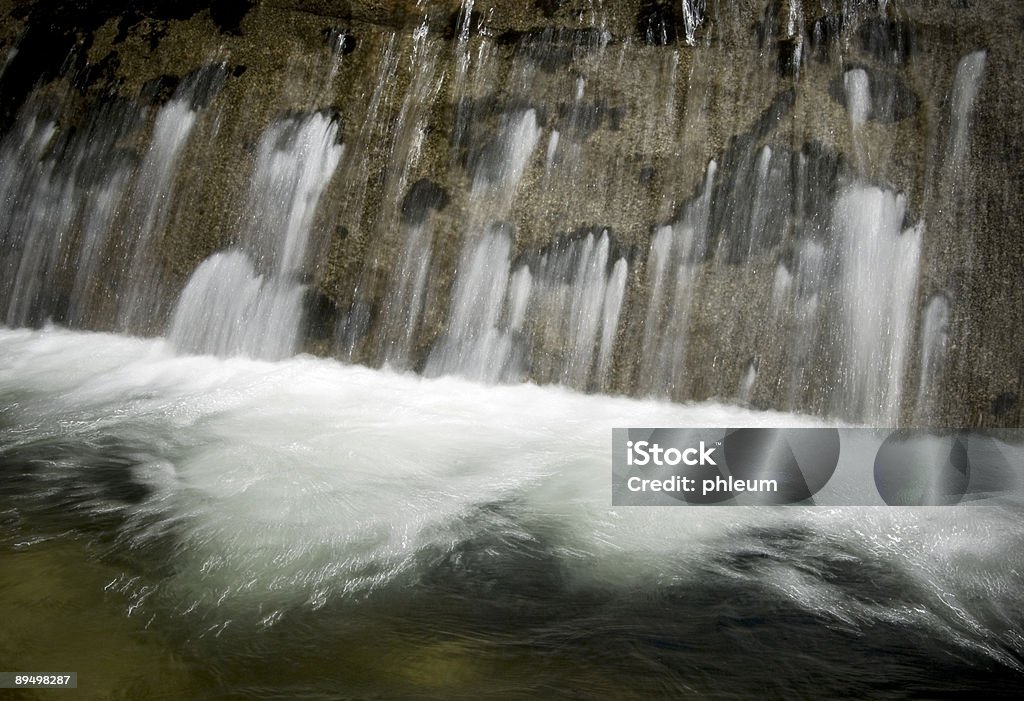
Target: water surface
<point x="191" y="527"/>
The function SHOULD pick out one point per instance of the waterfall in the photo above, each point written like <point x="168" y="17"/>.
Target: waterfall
<point x="49" y="183"/>
<point x="332" y="335"/>
<point x="81" y="218"/>
<point x="474" y="346"/>
<point x="879" y="286"/>
<point x="248" y="300"/>
<point x="673" y="262"/>
<point x="577" y="298"/>
<point x="934" y="337"/>
<point x="147" y="214"/>
<point x="965" y="93"/>
<point x="564" y="307"/>
<point x="403" y="310"/>
<point x="858" y="95"/>
<point x="747" y="383"/>
<point x="509" y="209"/>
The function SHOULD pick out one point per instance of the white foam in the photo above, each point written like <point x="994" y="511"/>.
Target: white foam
<point x="306" y="476"/>
<point x="303" y="481"/>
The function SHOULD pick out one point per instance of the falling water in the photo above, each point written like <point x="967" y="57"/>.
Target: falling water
<point x="507" y="212"/>
<point x="858" y="95"/>
<point x="577" y="296"/>
<point x="403" y="312"/>
<point x="147" y="214"/>
<point x="474" y="346"/>
<point x="965" y="93"/>
<point x="878" y="299"/>
<point x="675" y="255"/>
<point x="47" y="189"/>
<point x="934" y="337"/>
<point x="248" y="300"/>
<point x="80" y="229"/>
<point x="747" y="383"/>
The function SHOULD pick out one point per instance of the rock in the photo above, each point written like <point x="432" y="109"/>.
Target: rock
<point x="425" y="196"/>
<point x="659" y="23"/>
<point x="887" y="40"/>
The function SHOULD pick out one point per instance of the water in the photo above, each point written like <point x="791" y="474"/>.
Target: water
<point x="481" y="210"/>
<point x="82" y="217"/>
<point x="878" y="296"/>
<point x="969" y="72"/>
<point x="437" y="538"/>
<point x="500" y="238"/>
<point x="474" y="346"/>
<point x="934" y="337"/>
<point x="858" y="95"/>
<point x="148" y="209"/>
<point x="675" y="252"/>
<point x="46" y="189"/>
<point x="248" y="300"/>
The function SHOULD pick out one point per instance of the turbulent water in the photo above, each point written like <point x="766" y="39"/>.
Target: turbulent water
<point x="308" y="529"/>
<point x="505" y="218"/>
